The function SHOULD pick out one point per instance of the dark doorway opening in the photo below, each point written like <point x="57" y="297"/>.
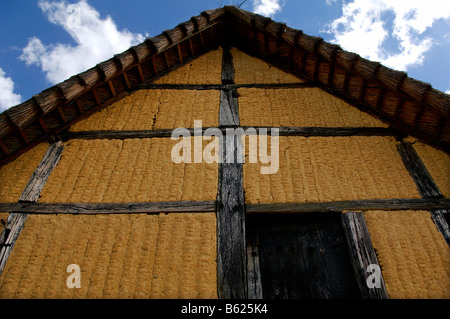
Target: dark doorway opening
<point x="298" y="256"/>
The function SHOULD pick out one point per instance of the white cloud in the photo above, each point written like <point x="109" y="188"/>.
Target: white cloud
<point x="361" y="29"/>
<point x="7" y="96"/>
<point x="448" y="91"/>
<point x="266" y="7"/>
<point x="96" y="40"/>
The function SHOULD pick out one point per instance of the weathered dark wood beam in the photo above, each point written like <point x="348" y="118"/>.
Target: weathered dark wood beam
<point x="363" y="255"/>
<point x="42" y="173"/>
<point x="425" y="185"/>
<point x="156" y="86"/>
<point x="109" y="208"/>
<point x="16" y="221"/>
<point x="254" y="282"/>
<point x="419" y="173"/>
<point x="351" y="205"/>
<point x="282" y="131"/>
<point x="231" y="246"/>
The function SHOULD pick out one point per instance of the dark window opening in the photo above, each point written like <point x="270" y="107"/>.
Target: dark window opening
<point x="298" y="256"/>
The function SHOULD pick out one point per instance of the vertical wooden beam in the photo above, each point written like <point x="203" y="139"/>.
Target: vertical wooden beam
<point x="363" y="254"/>
<point x="155" y="68"/>
<point x="346" y="82"/>
<point x="362" y="93"/>
<point x="425" y="185"/>
<point x="61" y="113"/>
<point x="231" y="247"/>
<point x="127" y="80"/>
<point x="380" y="98"/>
<point x="315" y="74"/>
<point x="141" y="74"/>
<point x="24" y="136"/>
<point x="180" y="55"/>
<point x="112" y="88"/>
<point x="43" y="125"/>
<point x="96" y="98"/>
<point x="254" y="288"/>
<point x="16" y="221"/>
<point x="79" y="107"/>
<point x="398" y="107"/>
<point x="191" y="47"/>
<point x="330" y="75"/>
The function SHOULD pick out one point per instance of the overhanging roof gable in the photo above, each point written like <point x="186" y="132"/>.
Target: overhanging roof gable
<point x="411" y="106"/>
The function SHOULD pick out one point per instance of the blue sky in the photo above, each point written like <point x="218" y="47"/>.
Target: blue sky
<point x="43" y="42"/>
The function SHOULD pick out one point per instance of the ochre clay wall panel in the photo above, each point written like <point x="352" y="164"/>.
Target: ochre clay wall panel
<point x="253" y="70"/>
<point x="16" y="175"/>
<point x="438" y="165"/>
<point x="299" y="107"/>
<point x="321" y="169"/>
<point x="206" y="69"/>
<point x="413" y="255"/>
<point x="156" y="109"/>
<point x="120" y="256"/>
<point x="133" y="170"/>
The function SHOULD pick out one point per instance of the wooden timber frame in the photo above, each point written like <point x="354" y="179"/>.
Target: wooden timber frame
<point x="402" y="102"/>
<point x="16" y="220"/>
<point x="426" y="185"/>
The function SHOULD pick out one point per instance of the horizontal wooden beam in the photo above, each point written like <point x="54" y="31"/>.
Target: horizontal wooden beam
<point x="110" y="208"/>
<point x="282" y="131"/>
<point x="351" y="205"/>
<point x="226" y="86"/>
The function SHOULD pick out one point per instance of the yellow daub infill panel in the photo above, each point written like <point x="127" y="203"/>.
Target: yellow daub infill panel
<point x="16" y="175"/>
<point x="299" y="107"/>
<point x="120" y="256"/>
<point x="133" y="170"/>
<point x="323" y="169"/>
<point x="253" y="70"/>
<point x="206" y="69"/>
<point x="156" y="109"/>
<point x="413" y="255"/>
<point x="438" y="165"/>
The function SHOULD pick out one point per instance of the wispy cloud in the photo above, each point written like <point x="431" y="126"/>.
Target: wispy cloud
<point x="96" y="40"/>
<point x="363" y="29"/>
<point x="7" y="96"/>
<point x="267" y="7"/>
